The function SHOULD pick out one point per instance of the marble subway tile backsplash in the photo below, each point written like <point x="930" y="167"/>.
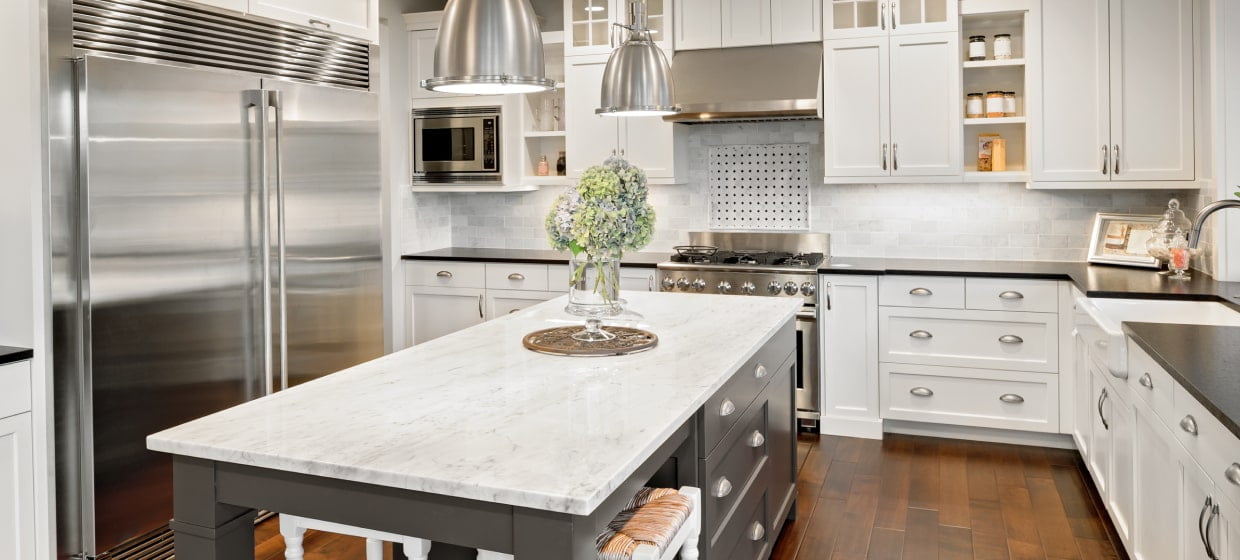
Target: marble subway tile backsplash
<point x="949" y="221"/>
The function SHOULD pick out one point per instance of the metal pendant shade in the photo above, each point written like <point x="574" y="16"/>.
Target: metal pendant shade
<point x="489" y="47"/>
<point x="638" y="80"/>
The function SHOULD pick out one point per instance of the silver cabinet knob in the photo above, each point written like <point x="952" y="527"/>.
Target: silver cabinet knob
<point x="1010" y="294"/>
<point x="1189" y="424"/>
<point x="667" y="283"/>
<point x="722" y="487"/>
<point x="516" y="276"/>
<point x="1012" y="398"/>
<point x="1145" y="381"/>
<point x="699" y="284"/>
<point x="443" y="274"/>
<point x="808" y="289"/>
<point x="748" y="288"/>
<point x="756" y="532"/>
<point x="920" y="292"/>
<point x="920" y="334"/>
<point x="774" y="287"/>
<point x="760" y="371"/>
<point x="682" y="283"/>
<point x="791" y="288"/>
<point x="726" y="408"/>
<point x="724" y="286"/>
<point x="1011" y="339"/>
<point x="921" y="392"/>
<point x="756" y="439"/>
<point x="1233" y="474"/>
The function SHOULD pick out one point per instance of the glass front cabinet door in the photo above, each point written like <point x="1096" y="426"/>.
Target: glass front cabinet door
<point x="866" y="18"/>
<point x="588" y="24"/>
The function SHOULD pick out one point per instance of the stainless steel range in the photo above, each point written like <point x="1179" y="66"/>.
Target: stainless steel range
<point x="760" y="264"/>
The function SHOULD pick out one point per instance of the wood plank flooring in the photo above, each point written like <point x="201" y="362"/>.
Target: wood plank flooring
<point x="904" y="497"/>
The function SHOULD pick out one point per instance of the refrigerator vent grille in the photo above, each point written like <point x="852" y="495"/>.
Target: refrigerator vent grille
<point x="170" y="32"/>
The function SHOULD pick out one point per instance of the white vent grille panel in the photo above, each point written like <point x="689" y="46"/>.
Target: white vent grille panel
<point x="759" y="187"/>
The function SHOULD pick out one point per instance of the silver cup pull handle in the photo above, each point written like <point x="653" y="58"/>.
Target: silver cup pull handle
<point x="756" y="439"/>
<point x="759" y="372"/>
<point x="1145" y="381"/>
<point x="1011" y="339"/>
<point x="1189" y="424"/>
<point x="921" y="392"/>
<point x="723" y="487"/>
<point x="1010" y="294"/>
<point x="1012" y="398"/>
<point x="319" y="23"/>
<point x="1233" y="474"/>
<point x="920" y="292"/>
<point x="920" y="334"/>
<point x="443" y="274"/>
<point x="756" y="532"/>
<point x="516" y="276"/>
<point x="726" y="408"/>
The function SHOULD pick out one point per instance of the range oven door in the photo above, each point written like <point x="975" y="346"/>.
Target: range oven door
<point x="807" y="396"/>
<point x="455" y="145"/>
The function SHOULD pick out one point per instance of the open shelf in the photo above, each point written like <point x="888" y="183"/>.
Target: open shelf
<point x="1009" y="176"/>
<point x="547" y="181"/>
<point x="994" y="120"/>
<point x="994" y="63"/>
<point x="472" y="188"/>
<point x="544" y="134"/>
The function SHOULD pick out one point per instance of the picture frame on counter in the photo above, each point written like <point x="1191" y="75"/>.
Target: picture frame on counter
<point x="1120" y="239"/>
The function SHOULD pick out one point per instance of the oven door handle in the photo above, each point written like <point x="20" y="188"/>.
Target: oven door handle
<point x="807" y="316"/>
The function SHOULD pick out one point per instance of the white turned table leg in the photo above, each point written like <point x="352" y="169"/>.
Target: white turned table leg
<point x="417" y="549"/>
<point x="293" y="534"/>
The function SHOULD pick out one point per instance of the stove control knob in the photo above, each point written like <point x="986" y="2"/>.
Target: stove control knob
<point x="682" y="283"/>
<point x="724" y="286"/>
<point x="774" y="287"/>
<point x="791" y="288"/>
<point x="807" y="289"/>
<point x="668" y="283"/>
<point x="699" y="284"/>
<point x="748" y="288"/>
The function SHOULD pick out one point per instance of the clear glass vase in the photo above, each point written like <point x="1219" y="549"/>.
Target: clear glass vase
<point x="594" y="293"/>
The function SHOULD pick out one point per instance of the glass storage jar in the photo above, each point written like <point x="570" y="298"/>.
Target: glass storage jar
<point x="1009" y="104"/>
<point x="977" y="47"/>
<point x="1003" y="46"/>
<point x="975" y="106"/>
<point x="994" y="104"/>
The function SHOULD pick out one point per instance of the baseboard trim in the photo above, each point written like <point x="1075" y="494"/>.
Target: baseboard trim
<point x="851" y="427"/>
<point x="992" y="435"/>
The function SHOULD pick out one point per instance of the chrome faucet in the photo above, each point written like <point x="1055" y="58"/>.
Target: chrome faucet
<point x="1194" y="233"/>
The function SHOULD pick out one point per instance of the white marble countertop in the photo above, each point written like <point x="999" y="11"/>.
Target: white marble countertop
<point x="475" y="415"/>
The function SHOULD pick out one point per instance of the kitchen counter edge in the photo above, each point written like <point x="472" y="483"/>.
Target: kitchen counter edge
<point x="13" y="354"/>
<point x="525" y="256"/>
<point x="1197" y="357"/>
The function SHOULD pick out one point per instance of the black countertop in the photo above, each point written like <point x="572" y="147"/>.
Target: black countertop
<point x="1204" y="359"/>
<point x="532" y="256"/>
<point x="10" y="354"/>
<point x="1100" y="281"/>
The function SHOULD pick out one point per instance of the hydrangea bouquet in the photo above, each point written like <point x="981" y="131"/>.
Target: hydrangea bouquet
<point x="605" y="214"/>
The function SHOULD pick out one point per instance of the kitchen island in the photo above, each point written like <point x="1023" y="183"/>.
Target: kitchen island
<point x="472" y="440"/>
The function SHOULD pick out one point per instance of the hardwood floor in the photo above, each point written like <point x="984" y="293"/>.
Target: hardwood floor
<point x="901" y="498"/>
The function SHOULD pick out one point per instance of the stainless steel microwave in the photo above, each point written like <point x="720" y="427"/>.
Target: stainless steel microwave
<point x="456" y="145"/>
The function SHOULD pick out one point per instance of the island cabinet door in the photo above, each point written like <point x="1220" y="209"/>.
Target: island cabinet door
<point x="440" y="311"/>
<point x="1154" y="475"/>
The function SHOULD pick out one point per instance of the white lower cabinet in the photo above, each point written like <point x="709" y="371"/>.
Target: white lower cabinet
<point x="848" y="321"/>
<point x="440" y="311"/>
<point x="507" y="302"/>
<point x="17" y="506"/>
<point x="1155" y="472"/>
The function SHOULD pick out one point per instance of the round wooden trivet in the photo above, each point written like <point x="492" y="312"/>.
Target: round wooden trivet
<point x="559" y="341"/>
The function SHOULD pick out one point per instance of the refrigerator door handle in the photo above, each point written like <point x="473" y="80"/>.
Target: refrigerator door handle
<point x="275" y="101"/>
<point x="260" y="100"/>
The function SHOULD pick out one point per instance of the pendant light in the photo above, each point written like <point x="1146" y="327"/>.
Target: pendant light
<point x="489" y="47"/>
<point x="638" y="80"/>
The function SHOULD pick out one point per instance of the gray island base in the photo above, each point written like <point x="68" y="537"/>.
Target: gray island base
<point x="471" y="441"/>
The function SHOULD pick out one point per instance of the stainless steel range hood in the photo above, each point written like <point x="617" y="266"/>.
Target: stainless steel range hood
<point x="778" y="82"/>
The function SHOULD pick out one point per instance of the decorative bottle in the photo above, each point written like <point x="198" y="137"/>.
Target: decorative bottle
<point x="561" y="165"/>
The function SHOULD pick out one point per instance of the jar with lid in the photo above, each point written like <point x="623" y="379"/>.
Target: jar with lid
<point x="975" y="106"/>
<point x="977" y="47"/>
<point x="1003" y="46"/>
<point x="1009" y="104"/>
<point x="994" y="104"/>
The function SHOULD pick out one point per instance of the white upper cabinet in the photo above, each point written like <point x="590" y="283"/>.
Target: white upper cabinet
<point x="650" y="143"/>
<point x="234" y="5"/>
<point x="356" y="18"/>
<point x="925" y="105"/>
<point x="588" y="25"/>
<point x="422" y="63"/>
<point x="796" y="21"/>
<point x="746" y="23"/>
<point x="868" y="18"/>
<point x="698" y="24"/>
<point x="855" y="115"/>
<point x="1117" y="92"/>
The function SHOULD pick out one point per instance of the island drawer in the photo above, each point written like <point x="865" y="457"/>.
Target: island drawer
<point x="967" y="338"/>
<point x="1010" y="294"/>
<point x="728" y="405"/>
<point x="1151" y="384"/>
<point x="15" y="398"/>
<point x="970" y="397"/>
<point x="448" y="274"/>
<point x="746" y="535"/>
<point x="734" y="467"/>
<point x="515" y="276"/>
<point x="921" y="291"/>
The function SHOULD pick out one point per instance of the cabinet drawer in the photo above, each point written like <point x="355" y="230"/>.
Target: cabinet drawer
<point x="967" y="338"/>
<point x="731" y="469"/>
<point x="449" y="274"/>
<point x="1152" y="384"/>
<point x="921" y="291"/>
<point x="971" y="397"/>
<point x="1214" y="447"/>
<point x="15" y="379"/>
<point x="736" y="539"/>
<point x="728" y="405"/>
<point x="512" y="276"/>
<point x="1006" y="294"/>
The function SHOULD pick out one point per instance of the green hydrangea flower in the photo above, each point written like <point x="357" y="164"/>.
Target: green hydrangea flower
<point x="605" y="214"/>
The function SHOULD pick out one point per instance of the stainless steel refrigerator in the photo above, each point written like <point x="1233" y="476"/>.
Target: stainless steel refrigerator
<point x="216" y="238"/>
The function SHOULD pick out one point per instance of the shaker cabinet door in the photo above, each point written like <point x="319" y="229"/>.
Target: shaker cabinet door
<point x="698" y="24"/>
<point x="796" y="21"/>
<point x="925" y="105"/>
<point x="746" y="22"/>
<point x="356" y="18"/>
<point x="1071" y="135"/>
<point x="440" y="311"/>
<point x="855" y="107"/>
<point x="590" y="138"/>
<point x="649" y="143"/>
<point x="1155" y="470"/>
<point x="17" y="510"/>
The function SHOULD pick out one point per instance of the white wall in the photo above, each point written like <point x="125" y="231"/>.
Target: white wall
<point x="23" y="311"/>
<point x="1227" y="107"/>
